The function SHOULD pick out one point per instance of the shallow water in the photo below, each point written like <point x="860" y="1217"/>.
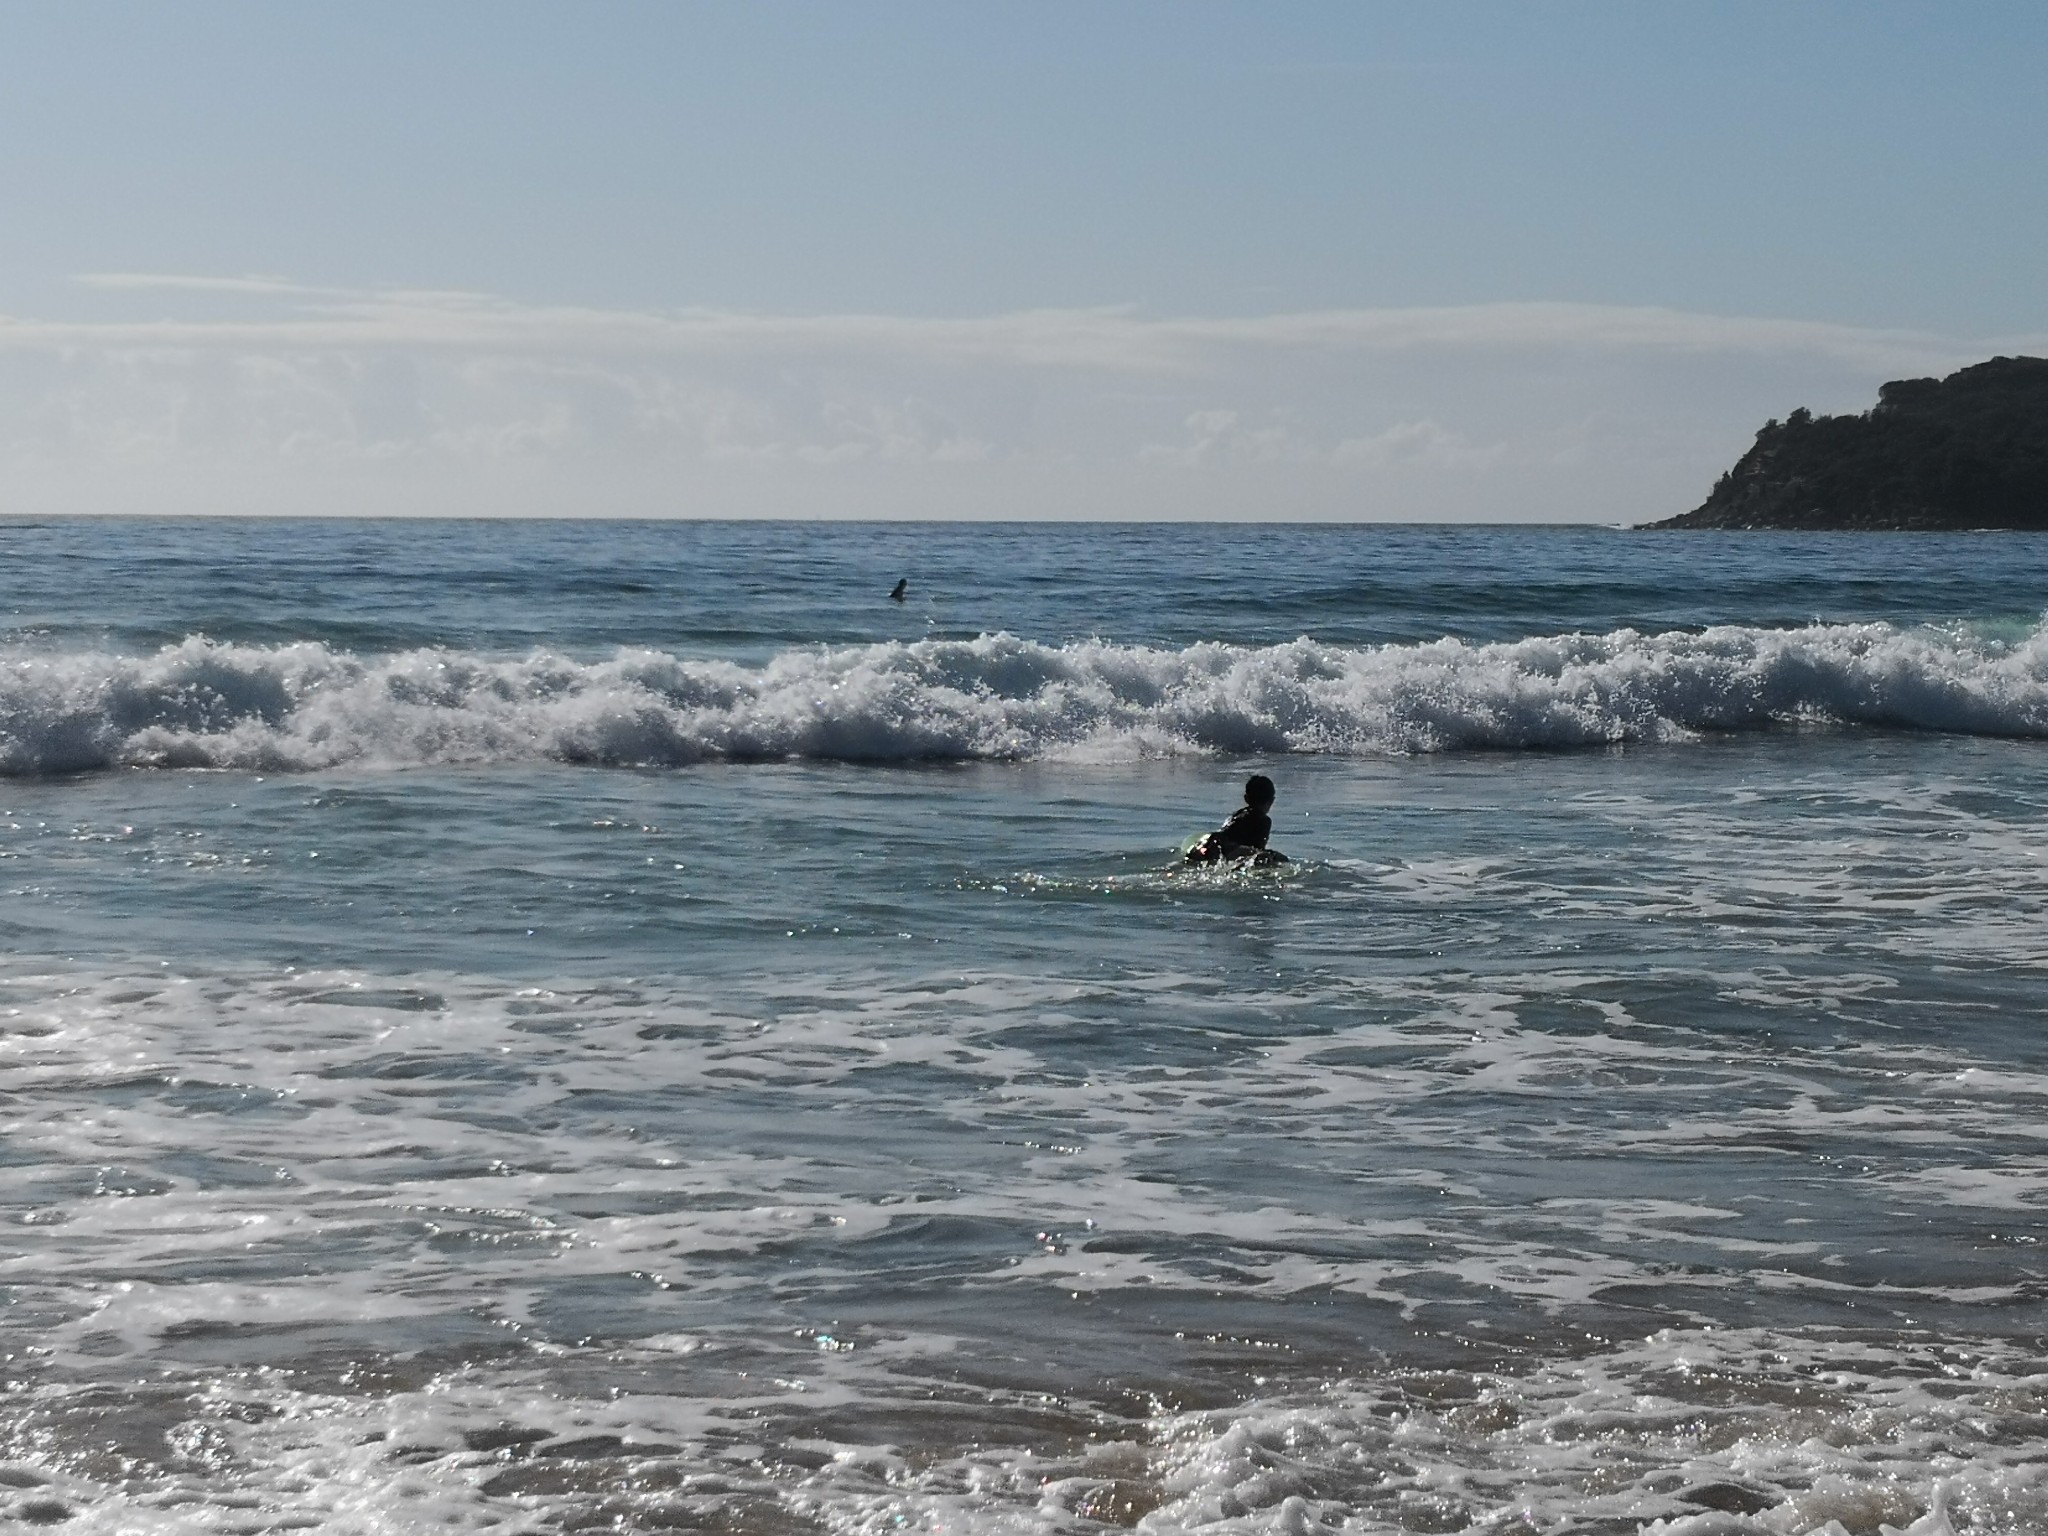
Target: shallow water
<point x="494" y="1039"/>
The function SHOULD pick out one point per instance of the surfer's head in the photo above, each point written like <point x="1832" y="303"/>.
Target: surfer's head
<point x="1258" y="791"/>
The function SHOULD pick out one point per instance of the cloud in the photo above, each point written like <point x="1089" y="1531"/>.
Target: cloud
<point x="1218" y="437"/>
<point x="1106" y="338"/>
<point x="1415" y="442"/>
<point x="260" y="394"/>
<point x="154" y="281"/>
<point x="1215" y="437"/>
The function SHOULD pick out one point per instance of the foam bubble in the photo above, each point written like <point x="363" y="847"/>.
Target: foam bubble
<point x="203" y="703"/>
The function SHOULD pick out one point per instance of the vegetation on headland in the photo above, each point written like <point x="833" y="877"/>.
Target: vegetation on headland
<point x="1967" y="451"/>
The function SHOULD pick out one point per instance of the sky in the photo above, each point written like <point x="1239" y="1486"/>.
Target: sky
<point x="1354" y="261"/>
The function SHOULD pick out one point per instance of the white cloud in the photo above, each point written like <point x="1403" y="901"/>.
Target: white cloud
<point x="263" y="395"/>
<point x="1215" y="437"/>
<point x="1415" y="442"/>
<point x="1071" y="338"/>
<point x="148" y="281"/>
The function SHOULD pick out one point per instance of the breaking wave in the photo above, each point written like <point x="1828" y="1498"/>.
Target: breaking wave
<point x="206" y="704"/>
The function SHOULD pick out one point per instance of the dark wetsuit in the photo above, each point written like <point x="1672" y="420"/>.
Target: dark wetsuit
<point x="1245" y="833"/>
<point x="1248" y="827"/>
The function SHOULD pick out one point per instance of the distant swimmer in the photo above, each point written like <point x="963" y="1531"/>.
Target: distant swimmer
<point x="1244" y="835"/>
<point x="902" y="587"/>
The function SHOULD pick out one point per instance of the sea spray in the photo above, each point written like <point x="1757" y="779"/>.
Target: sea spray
<point x="204" y="703"/>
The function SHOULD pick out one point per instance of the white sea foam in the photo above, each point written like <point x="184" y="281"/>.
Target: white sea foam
<point x="203" y="703"/>
<point x="244" y="1198"/>
<point x="1684" y="1433"/>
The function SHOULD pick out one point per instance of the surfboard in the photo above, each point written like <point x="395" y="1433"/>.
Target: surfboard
<point x="1257" y="859"/>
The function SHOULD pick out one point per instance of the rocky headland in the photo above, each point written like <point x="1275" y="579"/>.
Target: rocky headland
<point x="1967" y="451"/>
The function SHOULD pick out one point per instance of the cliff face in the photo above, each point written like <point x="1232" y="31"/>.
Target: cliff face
<point x="1967" y="451"/>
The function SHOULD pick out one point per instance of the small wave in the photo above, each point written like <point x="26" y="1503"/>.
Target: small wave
<point x="206" y="704"/>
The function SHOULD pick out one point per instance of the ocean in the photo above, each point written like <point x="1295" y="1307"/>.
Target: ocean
<point x="552" y="1027"/>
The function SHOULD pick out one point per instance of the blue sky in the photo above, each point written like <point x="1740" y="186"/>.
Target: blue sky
<point x="1316" y="260"/>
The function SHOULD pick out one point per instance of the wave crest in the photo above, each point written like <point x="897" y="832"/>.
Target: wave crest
<point x="203" y="703"/>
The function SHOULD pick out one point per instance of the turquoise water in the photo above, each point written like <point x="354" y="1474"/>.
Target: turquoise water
<point x="545" y="1026"/>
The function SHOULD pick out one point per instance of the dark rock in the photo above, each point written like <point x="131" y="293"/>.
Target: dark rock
<point x="1967" y="451"/>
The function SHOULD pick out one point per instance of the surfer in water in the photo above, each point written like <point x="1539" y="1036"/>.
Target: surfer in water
<point x="902" y="587"/>
<point x="1244" y="835"/>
